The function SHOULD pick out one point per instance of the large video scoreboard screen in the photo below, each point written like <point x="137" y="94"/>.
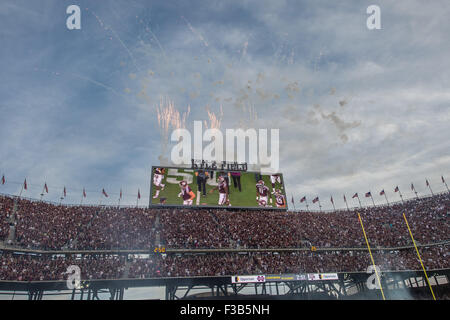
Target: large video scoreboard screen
<point x="208" y="188"/>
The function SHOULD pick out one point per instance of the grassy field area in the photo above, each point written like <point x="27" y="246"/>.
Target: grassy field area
<point x="245" y="198"/>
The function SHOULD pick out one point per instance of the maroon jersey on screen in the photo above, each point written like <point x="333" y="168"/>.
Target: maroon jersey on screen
<point x="222" y="186"/>
<point x="280" y="200"/>
<point x="262" y="191"/>
<point x="185" y="193"/>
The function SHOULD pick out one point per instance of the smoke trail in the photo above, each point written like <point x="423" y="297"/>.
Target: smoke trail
<point x="157" y="41"/>
<point x="244" y="50"/>
<point x="98" y="83"/>
<point x="195" y="32"/>
<point x="117" y="37"/>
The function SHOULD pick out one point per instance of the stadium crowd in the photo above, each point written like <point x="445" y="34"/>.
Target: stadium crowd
<point x="385" y="226"/>
<point x="35" y="268"/>
<point x="6" y="208"/>
<point x="192" y="229"/>
<point x="41" y="225"/>
<point x="284" y="262"/>
<point x="113" y="228"/>
<point x="26" y="268"/>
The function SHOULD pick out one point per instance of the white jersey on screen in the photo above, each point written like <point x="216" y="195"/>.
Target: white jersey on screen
<point x="157" y="179"/>
<point x="275" y="178"/>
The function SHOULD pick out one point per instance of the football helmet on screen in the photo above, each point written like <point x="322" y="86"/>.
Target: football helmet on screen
<point x="183" y="184"/>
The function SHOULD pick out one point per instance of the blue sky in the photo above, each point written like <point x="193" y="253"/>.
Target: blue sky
<point x="358" y="110"/>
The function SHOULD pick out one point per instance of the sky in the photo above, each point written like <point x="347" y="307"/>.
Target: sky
<point x="358" y="110"/>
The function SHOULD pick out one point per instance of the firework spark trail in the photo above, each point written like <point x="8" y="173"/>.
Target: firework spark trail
<point x="164" y="115"/>
<point x="107" y="27"/>
<point x="215" y="120"/>
<point x="248" y="108"/>
<point x="195" y="32"/>
<point x="168" y="116"/>
<point x="178" y="121"/>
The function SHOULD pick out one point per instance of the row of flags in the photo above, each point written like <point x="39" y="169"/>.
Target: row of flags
<point x="369" y="195"/>
<point x="64" y="193"/>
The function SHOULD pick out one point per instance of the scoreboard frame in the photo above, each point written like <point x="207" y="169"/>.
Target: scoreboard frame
<point x="195" y="206"/>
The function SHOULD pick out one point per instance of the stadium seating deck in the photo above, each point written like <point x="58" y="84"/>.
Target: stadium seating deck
<point x="44" y="226"/>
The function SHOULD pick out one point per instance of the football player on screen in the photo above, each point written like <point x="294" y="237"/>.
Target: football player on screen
<point x="224" y="197"/>
<point x="158" y="176"/>
<point x="280" y="199"/>
<point x="262" y="194"/>
<point x="186" y="193"/>
<point x="274" y="178"/>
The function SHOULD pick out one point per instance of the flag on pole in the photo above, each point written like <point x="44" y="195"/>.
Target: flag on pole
<point x="84" y="193"/>
<point x="64" y="191"/>
<point x="303" y="199"/>
<point x="355" y="195"/>
<point x="345" y="199"/>
<point x="104" y="193"/>
<point x="412" y="187"/>
<point x="443" y="181"/>
<point x="25" y="184"/>
<point x="332" y="202"/>
<point x="368" y="194"/>
<point x="139" y="194"/>
<point x="427" y="182"/>
<point x="3" y="179"/>
<point x="316" y="199"/>
<point x="396" y="189"/>
<point x="45" y="187"/>
<point x="120" y="197"/>
<point x="292" y="199"/>
<point x="381" y="192"/>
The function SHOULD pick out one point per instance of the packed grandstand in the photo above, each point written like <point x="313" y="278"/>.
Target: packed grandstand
<point x="39" y="240"/>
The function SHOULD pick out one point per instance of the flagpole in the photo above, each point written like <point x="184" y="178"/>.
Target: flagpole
<point x="307" y="207"/>
<point x="42" y="193"/>
<point x="62" y="197"/>
<point x="443" y="180"/>
<point x="359" y="200"/>
<point x="332" y="202"/>
<point x="429" y="186"/>
<point x="20" y="194"/>
<point x="372" y="199"/>
<point x="400" y="193"/>
<point x="293" y="202"/>
<point x="414" y="188"/>
<point x="386" y="198"/>
<point x="346" y="204"/>
<point x="83" y="195"/>
<point x="320" y="207"/>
